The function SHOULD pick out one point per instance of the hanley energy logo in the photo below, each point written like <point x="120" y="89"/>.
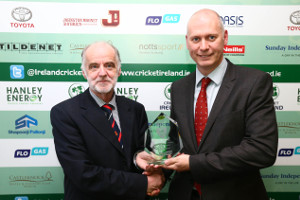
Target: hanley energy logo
<point x="129" y="92"/>
<point x="24" y="95"/>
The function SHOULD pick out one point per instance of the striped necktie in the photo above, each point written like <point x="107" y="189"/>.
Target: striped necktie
<point x="107" y="108"/>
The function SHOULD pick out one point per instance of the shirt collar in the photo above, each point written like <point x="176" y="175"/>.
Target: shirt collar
<point x="100" y="102"/>
<point x="216" y="76"/>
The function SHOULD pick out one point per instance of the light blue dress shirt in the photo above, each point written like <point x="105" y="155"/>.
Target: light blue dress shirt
<point x="212" y="89"/>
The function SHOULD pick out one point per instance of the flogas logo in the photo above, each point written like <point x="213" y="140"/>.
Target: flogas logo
<point x="167" y="18"/>
<point x="36" y="151"/>
<point x="287" y="152"/>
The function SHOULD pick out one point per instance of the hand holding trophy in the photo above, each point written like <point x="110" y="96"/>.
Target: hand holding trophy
<point x="162" y="140"/>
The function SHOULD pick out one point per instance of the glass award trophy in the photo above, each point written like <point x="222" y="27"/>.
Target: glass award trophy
<point x="162" y="140"/>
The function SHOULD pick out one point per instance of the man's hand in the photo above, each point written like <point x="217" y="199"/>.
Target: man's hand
<point x="156" y="181"/>
<point x="179" y="163"/>
<point x="142" y="159"/>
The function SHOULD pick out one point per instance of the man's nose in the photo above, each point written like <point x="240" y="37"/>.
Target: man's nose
<point x="203" y="45"/>
<point x="102" y="71"/>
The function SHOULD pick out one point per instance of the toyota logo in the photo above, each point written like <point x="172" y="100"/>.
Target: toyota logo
<point x="295" y="17"/>
<point x="21" y="14"/>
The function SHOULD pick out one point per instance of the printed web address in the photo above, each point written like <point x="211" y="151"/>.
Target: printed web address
<point x="155" y="73"/>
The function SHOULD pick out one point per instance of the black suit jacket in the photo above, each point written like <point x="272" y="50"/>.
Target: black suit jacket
<point x="94" y="164"/>
<point x="240" y="137"/>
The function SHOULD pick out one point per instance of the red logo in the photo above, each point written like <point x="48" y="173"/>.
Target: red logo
<point x="115" y="18"/>
<point x="236" y="49"/>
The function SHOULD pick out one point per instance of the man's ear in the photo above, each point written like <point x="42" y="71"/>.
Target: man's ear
<point x="119" y="71"/>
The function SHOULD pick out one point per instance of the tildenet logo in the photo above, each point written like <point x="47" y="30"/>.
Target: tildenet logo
<point x="167" y="18"/>
<point x="17" y="72"/>
<point x="36" y="151"/>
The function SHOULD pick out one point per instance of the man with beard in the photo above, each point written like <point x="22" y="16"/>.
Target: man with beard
<point x="97" y="133"/>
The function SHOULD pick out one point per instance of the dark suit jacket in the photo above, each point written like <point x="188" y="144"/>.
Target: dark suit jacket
<point x="240" y="137"/>
<point x="93" y="162"/>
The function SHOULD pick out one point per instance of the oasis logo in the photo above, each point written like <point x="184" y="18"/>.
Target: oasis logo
<point x="36" y="151"/>
<point x="286" y="152"/>
<point x="167" y="18"/>
<point x="25" y="122"/>
<point x="230" y="21"/>
<point x="21" y="14"/>
<point x="114" y="18"/>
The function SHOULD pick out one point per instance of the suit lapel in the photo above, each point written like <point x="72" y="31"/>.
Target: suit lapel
<point x="125" y="116"/>
<point x="223" y="94"/>
<point x="96" y="116"/>
<point x="188" y="98"/>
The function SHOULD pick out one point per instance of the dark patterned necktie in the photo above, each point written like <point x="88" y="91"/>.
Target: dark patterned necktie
<point x="108" y="110"/>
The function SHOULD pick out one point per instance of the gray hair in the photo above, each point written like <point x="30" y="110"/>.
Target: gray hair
<point x="83" y="56"/>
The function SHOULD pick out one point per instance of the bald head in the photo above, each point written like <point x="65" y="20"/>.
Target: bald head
<point x="205" y="15"/>
<point x="205" y="40"/>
